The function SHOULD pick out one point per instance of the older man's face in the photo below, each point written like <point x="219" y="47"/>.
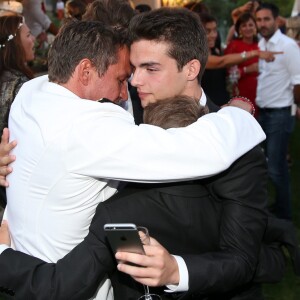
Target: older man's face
<point x="113" y="84"/>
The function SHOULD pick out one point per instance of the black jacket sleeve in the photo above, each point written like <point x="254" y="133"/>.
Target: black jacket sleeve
<point x="242" y="189"/>
<point x="76" y="276"/>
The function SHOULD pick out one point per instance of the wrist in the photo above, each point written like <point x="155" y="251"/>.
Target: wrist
<point x="244" y="55"/>
<point x="250" y="108"/>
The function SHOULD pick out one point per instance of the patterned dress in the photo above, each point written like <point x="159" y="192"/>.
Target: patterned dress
<point x="10" y="83"/>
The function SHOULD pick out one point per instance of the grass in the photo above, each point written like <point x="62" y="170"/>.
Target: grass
<point x="289" y="287"/>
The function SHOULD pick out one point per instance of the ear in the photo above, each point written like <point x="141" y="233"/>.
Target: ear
<point x="193" y="69"/>
<point x="84" y="70"/>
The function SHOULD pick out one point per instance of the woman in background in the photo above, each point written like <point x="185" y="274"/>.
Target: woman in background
<point x="16" y="49"/>
<point x="243" y="77"/>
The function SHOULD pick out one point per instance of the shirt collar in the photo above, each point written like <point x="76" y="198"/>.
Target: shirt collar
<point x="202" y="99"/>
<point x="275" y="38"/>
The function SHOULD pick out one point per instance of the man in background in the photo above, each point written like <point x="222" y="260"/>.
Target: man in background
<point x="278" y="88"/>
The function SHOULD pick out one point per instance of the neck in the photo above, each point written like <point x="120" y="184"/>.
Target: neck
<point x="194" y="92"/>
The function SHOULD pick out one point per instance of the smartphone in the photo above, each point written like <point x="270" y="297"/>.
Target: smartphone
<point x="124" y="237"/>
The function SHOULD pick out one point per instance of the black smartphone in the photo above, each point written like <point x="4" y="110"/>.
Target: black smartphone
<point x="124" y="237"/>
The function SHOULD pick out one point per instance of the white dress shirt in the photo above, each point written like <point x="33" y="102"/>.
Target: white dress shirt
<point x="71" y="153"/>
<point x="276" y="79"/>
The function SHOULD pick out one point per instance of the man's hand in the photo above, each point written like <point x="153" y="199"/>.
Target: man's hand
<point x="5" y="157"/>
<point x="268" y="56"/>
<point x="157" y="268"/>
<point x="4" y="233"/>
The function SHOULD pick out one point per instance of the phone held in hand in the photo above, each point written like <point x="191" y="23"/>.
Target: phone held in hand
<point x="124" y="237"/>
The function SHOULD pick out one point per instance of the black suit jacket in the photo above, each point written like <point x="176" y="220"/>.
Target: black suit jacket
<point x="216" y="225"/>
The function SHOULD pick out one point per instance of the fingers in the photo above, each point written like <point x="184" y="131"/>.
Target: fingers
<point x="5" y="148"/>
<point x="5" y="136"/>
<point x="4" y="233"/>
<point x="4" y="171"/>
<point x="150" y="275"/>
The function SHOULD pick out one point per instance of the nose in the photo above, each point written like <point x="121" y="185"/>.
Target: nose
<point x="136" y="78"/>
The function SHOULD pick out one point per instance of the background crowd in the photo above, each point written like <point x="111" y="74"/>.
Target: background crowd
<point x="233" y="69"/>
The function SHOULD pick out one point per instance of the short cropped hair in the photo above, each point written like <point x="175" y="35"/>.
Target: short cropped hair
<point x="82" y="39"/>
<point x="270" y="6"/>
<point x="173" y="112"/>
<point x="180" y="28"/>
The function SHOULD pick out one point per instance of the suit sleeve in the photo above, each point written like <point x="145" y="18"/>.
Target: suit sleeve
<point x="76" y="276"/>
<point x="242" y="190"/>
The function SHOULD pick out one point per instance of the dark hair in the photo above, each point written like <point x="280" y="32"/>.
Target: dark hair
<point x="180" y="28"/>
<point x="12" y="53"/>
<point x="143" y="8"/>
<point x="207" y="18"/>
<point x="270" y="6"/>
<point x="78" y="40"/>
<point x="115" y="13"/>
<point x="197" y="7"/>
<point x="242" y="19"/>
<point x="178" y="111"/>
<point x="80" y="4"/>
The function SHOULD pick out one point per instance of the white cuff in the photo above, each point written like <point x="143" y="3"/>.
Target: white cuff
<point x="183" y="285"/>
<point x="3" y="247"/>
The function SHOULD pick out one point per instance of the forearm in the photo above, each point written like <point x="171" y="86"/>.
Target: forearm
<point x="216" y="62"/>
<point x="248" y="69"/>
<point x="171" y="163"/>
<point x="76" y="276"/>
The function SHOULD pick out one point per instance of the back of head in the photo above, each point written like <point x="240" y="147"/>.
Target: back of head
<point x="12" y="53"/>
<point x="270" y="6"/>
<point x="207" y="18"/>
<point x="197" y="7"/>
<point x="173" y="112"/>
<point x="116" y="13"/>
<point x="78" y="40"/>
<point x="180" y="28"/>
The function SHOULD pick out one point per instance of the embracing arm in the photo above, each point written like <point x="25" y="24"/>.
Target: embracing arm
<point x="242" y="189"/>
<point x="75" y="276"/>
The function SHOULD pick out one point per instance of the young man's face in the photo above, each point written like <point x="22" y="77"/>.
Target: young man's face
<point x="266" y="23"/>
<point x="156" y="74"/>
<point x="114" y="82"/>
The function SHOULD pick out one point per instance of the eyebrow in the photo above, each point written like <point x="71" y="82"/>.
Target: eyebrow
<point x="148" y="64"/>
